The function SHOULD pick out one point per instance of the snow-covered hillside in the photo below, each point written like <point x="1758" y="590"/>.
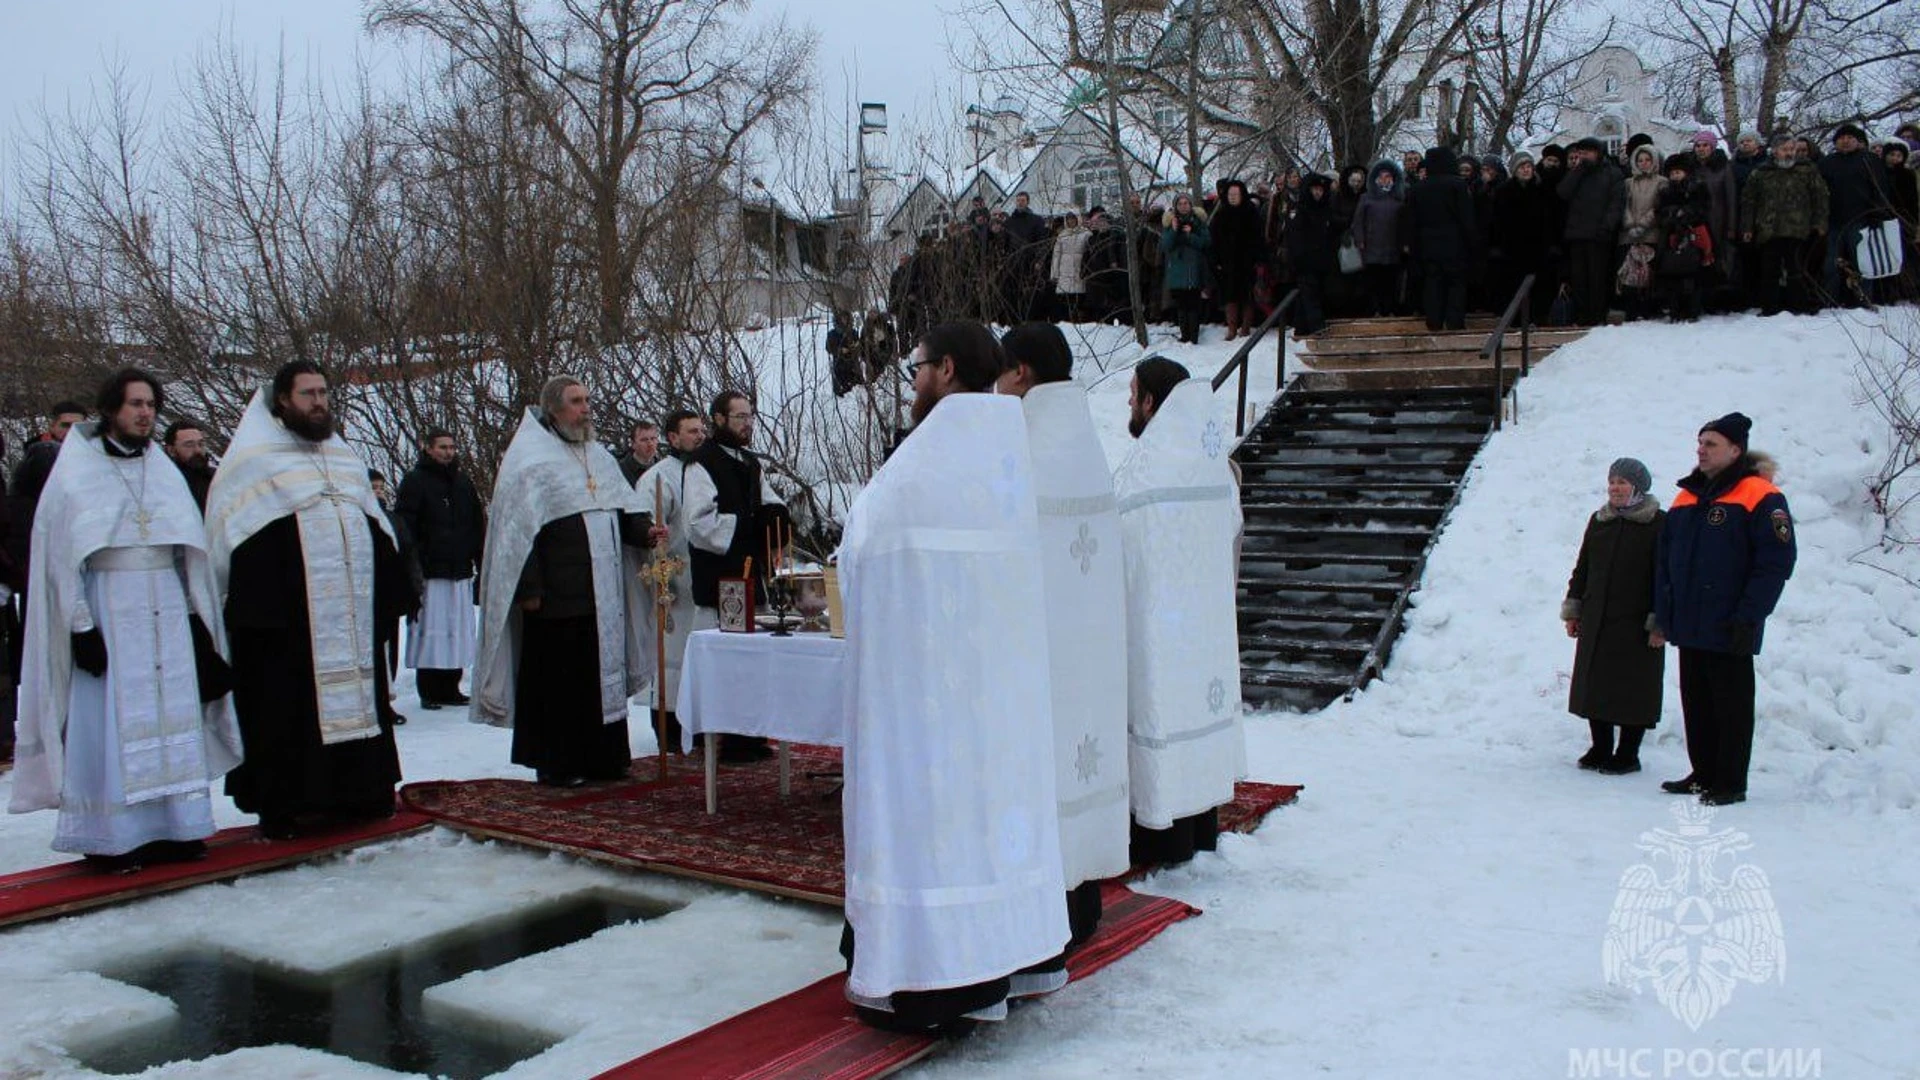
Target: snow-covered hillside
<point x="1436" y="903"/>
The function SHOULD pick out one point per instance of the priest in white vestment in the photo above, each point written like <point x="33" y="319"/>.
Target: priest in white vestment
<point x="563" y="637"/>
<point x="1086" y="614"/>
<point x="123" y="709"/>
<point x="311" y="581"/>
<point x="1179" y="515"/>
<point x="662" y="491"/>
<point x="952" y="836"/>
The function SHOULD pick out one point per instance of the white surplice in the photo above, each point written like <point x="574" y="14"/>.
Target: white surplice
<point x="1086" y="630"/>
<point x="442" y="638"/>
<point x="668" y="475"/>
<point x="1179" y="514"/>
<point x="544" y="478"/>
<point x="127" y="757"/>
<point x="952" y="836"/>
<point x="270" y="473"/>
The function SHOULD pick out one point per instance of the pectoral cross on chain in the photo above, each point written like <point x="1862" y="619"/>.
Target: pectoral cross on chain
<point x="144" y="521"/>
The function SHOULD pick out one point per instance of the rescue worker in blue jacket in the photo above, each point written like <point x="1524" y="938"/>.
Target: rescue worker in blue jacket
<point x="1724" y="556"/>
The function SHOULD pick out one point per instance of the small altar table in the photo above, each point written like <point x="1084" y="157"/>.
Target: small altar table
<point x="790" y="689"/>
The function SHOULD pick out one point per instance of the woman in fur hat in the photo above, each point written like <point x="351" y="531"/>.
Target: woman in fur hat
<point x="1687" y="246"/>
<point x="1184" y="242"/>
<point x="1619" y="667"/>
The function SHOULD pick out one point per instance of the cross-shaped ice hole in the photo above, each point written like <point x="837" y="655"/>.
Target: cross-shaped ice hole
<point x="370" y="1010"/>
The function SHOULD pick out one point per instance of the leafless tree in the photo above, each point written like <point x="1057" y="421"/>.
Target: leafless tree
<point x="1522" y="57"/>
<point x="1790" y="64"/>
<point x="617" y="86"/>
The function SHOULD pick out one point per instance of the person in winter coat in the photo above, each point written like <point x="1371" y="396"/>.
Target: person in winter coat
<point x="1858" y="195"/>
<point x="1905" y="197"/>
<point x="1522" y="240"/>
<point x="1619" y="667"/>
<point x="1237" y="234"/>
<point x="1280" y="208"/>
<point x="1184" y="242"/>
<point x="1686" y="245"/>
<point x="1639" y="233"/>
<point x="1441" y="226"/>
<point x="439" y="510"/>
<point x="1783" y="211"/>
<point x="1724" y="558"/>
<point x="1347" y="294"/>
<point x="1595" y="201"/>
<point x="1312" y="245"/>
<point x="1713" y="171"/>
<point x="1378" y="232"/>
<point x="1066" y="269"/>
<point x="1749" y="153"/>
<point x="1105" y="268"/>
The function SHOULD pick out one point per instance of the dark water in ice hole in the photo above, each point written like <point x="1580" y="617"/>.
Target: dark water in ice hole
<point x="370" y="1011"/>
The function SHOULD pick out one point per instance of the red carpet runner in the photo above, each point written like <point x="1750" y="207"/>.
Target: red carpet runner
<point x="811" y="1034"/>
<point x="790" y="847"/>
<point x="65" y="888"/>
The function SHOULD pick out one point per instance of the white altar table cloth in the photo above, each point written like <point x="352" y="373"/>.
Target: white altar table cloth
<point x="790" y="689"/>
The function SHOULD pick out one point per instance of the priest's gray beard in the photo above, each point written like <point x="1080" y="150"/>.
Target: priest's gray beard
<point x="575" y="433"/>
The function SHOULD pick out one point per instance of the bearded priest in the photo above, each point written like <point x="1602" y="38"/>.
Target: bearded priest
<point x="307" y="561"/>
<point x="1179" y="516"/>
<point x="563" y="622"/>
<point x="952" y="838"/>
<point x="1086" y="614"/>
<point x="123" y="706"/>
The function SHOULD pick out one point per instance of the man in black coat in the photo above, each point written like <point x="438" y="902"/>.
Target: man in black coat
<point x="643" y="450"/>
<point x="1522" y="236"/>
<point x="185" y="442"/>
<point x="1858" y="194"/>
<point x="1595" y="196"/>
<point x="439" y="510"/>
<point x="1025" y="226"/>
<point x="1441" y="226"/>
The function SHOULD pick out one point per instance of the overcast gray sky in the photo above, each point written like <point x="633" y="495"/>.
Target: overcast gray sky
<point x="56" y="48"/>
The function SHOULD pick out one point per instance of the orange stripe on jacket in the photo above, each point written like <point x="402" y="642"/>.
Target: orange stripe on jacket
<point x="1746" y="494"/>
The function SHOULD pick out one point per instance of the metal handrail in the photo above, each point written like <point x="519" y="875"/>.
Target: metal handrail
<point x="1494" y="349"/>
<point x="1243" y="358"/>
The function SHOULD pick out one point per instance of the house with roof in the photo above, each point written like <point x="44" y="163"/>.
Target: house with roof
<point x="1612" y="100"/>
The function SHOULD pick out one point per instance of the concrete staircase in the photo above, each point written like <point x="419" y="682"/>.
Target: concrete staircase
<point x="1346" y="482"/>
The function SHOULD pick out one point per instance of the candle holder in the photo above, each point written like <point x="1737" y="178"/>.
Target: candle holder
<point x="780" y="599"/>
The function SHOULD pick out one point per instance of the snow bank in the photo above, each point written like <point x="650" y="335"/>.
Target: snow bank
<point x="1484" y="656"/>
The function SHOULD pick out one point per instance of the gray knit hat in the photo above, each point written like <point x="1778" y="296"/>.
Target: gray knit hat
<point x="1519" y="158"/>
<point x="1633" y="472"/>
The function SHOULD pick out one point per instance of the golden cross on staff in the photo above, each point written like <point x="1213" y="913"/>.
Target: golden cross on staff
<point x="659" y="573"/>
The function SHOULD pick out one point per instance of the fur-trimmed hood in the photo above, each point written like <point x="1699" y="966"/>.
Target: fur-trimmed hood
<point x="1167" y="219"/>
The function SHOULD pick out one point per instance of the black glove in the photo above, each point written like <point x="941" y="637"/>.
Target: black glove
<point x="215" y="677"/>
<point x="1740" y="637"/>
<point x="90" y="652"/>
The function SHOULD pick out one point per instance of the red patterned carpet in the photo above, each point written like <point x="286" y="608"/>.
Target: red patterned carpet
<point x="758" y="841"/>
<point x="68" y="887"/>
<point x="811" y="1034"/>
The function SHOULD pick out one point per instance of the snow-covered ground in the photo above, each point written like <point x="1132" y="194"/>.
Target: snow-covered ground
<point x="1434" y="906"/>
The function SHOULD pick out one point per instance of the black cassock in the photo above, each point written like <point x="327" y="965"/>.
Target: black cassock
<point x="288" y="771"/>
<point x="559" y="725"/>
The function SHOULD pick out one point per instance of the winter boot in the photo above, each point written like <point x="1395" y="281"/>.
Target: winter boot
<point x="1626" y="758"/>
<point x="1602" y="750"/>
